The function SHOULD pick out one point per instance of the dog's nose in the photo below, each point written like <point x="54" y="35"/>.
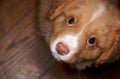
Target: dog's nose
<point x="62" y="49"/>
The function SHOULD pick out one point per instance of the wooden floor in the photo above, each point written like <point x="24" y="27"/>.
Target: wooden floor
<point x="24" y="53"/>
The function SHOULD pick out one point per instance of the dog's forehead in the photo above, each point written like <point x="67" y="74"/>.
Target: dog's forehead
<point x="81" y="8"/>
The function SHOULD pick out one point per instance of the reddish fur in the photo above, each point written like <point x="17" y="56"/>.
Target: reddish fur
<point x="105" y="30"/>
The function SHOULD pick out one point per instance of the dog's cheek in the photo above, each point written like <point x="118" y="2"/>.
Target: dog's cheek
<point x="73" y="59"/>
<point x="52" y="38"/>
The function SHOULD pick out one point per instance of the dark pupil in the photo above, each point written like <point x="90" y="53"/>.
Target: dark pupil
<point x="71" y="21"/>
<point x="92" y="40"/>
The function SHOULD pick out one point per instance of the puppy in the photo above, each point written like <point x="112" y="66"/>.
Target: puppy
<point x="85" y="33"/>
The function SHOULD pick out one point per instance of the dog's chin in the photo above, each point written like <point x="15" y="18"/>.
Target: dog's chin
<point x="82" y="65"/>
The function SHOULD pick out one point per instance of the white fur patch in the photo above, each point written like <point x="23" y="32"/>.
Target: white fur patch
<point x="96" y="14"/>
<point x="71" y="41"/>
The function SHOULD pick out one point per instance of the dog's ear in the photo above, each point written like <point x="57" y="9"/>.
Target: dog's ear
<point x="56" y="12"/>
<point x="113" y="53"/>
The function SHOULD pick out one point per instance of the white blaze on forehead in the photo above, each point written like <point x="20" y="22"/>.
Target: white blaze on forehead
<point x="71" y="41"/>
<point x="96" y="14"/>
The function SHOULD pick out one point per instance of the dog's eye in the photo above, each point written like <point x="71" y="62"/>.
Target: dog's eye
<point x="91" y="41"/>
<point x="70" y="21"/>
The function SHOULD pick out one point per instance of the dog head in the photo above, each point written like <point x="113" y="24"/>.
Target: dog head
<point x="85" y="32"/>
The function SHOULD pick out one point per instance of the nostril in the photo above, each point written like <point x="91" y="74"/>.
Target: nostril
<point x="62" y="49"/>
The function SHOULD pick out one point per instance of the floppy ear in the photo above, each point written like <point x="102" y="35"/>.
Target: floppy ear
<point x="56" y="12"/>
<point x="113" y="53"/>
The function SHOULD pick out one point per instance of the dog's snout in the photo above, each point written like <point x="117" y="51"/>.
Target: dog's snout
<point x="62" y="49"/>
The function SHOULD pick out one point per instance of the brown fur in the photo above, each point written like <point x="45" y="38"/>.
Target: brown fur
<point x="106" y="29"/>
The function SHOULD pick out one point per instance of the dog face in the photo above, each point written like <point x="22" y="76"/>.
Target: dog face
<point x="85" y="32"/>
